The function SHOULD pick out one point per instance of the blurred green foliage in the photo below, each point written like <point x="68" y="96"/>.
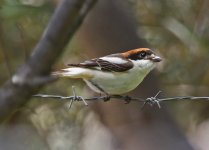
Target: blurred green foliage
<point x="22" y="25"/>
<point x="179" y="29"/>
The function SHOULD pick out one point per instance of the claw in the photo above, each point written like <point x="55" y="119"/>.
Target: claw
<point x="106" y="98"/>
<point x="127" y="99"/>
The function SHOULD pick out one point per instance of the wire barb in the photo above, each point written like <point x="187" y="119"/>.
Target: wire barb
<point x="76" y="98"/>
<point x="152" y="100"/>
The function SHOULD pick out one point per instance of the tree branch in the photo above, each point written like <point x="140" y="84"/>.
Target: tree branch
<point x="34" y="73"/>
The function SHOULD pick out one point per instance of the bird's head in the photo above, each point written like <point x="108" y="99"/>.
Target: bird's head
<point x="143" y="58"/>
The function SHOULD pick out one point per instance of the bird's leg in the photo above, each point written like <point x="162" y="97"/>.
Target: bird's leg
<point x="100" y="94"/>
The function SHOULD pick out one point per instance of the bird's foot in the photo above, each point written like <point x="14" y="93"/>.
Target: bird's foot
<point x="106" y="98"/>
<point x="127" y="99"/>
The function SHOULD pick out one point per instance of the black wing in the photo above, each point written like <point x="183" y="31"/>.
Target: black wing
<point x="105" y="65"/>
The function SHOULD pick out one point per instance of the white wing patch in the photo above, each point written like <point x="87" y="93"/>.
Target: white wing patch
<point x="114" y="60"/>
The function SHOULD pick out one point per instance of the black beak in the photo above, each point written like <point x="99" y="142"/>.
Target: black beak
<point x="155" y="58"/>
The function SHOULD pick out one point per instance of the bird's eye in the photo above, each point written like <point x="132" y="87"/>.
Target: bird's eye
<point x="142" y="54"/>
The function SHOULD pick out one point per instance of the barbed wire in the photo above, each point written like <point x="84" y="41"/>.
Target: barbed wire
<point x="148" y="101"/>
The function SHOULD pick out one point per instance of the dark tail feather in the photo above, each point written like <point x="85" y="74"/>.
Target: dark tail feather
<point x="74" y="65"/>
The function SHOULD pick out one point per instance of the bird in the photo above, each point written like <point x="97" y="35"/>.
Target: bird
<point x="114" y="74"/>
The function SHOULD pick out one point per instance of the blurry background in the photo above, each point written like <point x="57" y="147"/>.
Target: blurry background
<point x="176" y="29"/>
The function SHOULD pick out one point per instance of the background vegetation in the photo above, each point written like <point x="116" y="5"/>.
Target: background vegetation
<point x="176" y="29"/>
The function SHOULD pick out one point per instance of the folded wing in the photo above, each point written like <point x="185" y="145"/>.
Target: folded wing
<point x="108" y="63"/>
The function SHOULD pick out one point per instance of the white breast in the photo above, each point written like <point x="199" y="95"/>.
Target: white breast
<point x="117" y="82"/>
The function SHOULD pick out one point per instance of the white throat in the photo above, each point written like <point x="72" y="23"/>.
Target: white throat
<point x="144" y="65"/>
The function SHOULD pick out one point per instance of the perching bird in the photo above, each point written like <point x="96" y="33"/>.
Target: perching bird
<point x="114" y="74"/>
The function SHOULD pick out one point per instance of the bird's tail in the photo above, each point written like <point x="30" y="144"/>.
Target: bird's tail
<point x="74" y="72"/>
